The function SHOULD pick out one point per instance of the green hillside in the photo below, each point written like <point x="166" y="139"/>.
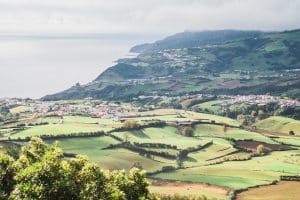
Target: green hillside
<point x="213" y="62"/>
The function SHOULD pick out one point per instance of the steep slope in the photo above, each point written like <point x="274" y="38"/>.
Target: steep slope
<point x="216" y="62"/>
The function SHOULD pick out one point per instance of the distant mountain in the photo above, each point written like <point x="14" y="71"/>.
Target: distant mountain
<point x="194" y="39"/>
<point x="214" y="62"/>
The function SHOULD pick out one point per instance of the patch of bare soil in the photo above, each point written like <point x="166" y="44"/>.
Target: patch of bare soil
<point x="284" y="190"/>
<point x="178" y="186"/>
<point x="252" y="145"/>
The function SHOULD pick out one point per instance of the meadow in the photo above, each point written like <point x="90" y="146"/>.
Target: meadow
<point x="210" y="161"/>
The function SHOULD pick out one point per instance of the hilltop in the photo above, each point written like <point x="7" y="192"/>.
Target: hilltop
<point x="211" y="62"/>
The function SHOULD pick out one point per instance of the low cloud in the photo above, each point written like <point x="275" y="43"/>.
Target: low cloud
<point x="149" y="16"/>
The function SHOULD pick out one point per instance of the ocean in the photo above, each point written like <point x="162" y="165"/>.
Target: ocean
<point x="36" y="66"/>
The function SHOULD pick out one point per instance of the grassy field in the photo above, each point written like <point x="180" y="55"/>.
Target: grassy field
<point x="57" y="129"/>
<point x="165" y="135"/>
<point x="209" y="130"/>
<point x="107" y="159"/>
<point x="280" y="124"/>
<point x="289" y="140"/>
<point x="239" y="134"/>
<point x="211" y="106"/>
<point x="241" y="174"/>
<point x="19" y="109"/>
<point x="218" y="119"/>
<point x="282" y="190"/>
<point x="162" y="118"/>
<point x="68" y="125"/>
<point x="220" y="164"/>
<point x="204" y="130"/>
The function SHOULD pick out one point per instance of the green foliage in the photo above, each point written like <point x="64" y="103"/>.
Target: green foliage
<point x="7" y="173"/>
<point x="188" y="131"/>
<point x="41" y="172"/>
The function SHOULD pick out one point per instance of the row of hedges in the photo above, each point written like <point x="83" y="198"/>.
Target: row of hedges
<point x="156" y="145"/>
<point x="183" y="153"/>
<point x="167" y="168"/>
<point x="290" y="178"/>
<point x="233" y="194"/>
<point x="141" y="151"/>
<point x="136" y="126"/>
<point x="61" y="136"/>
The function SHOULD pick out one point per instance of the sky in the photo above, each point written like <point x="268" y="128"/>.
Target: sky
<point x="145" y="16"/>
<point x="32" y="66"/>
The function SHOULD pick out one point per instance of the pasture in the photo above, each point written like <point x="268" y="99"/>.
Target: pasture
<point x="280" y="124"/>
<point x="279" y="191"/>
<point x="219" y="152"/>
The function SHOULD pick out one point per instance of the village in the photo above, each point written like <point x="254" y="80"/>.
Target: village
<point x="88" y="107"/>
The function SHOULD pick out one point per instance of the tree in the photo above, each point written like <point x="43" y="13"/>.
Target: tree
<point x="8" y="172"/>
<point x="291" y="133"/>
<point x="225" y="128"/>
<point x="261" y="115"/>
<point x="126" y="137"/>
<point x="41" y="172"/>
<point x="261" y="149"/>
<point x="179" y="162"/>
<point x="137" y="165"/>
<point x="241" y="118"/>
<point x="13" y="151"/>
<point x="188" y="131"/>
<point x="130" y="124"/>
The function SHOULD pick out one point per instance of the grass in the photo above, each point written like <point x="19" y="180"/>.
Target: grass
<point x="218" y="119"/>
<point x="166" y="135"/>
<point x="208" y="130"/>
<point x="212" y="106"/>
<point x="162" y="118"/>
<point x="280" y="124"/>
<point x="282" y="190"/>
<point x="241" y="174"/>
<point x="209" y="154"/>
<point x="19" y="109"/>
<point x="57" y="129"/>
<point x="107" y="159"/>
<point x="239" y="134"/>
<point x="234" y="133"/>
<point x="220" y="180"/>
<point x="68" y="125"/>
<point x="289" y="140"/>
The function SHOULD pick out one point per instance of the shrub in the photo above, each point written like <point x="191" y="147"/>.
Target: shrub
<point x="131" y="124"/>
<point x="188" y="131"/>
<point x="291" y="133"/>
<point x="261" y="149"/>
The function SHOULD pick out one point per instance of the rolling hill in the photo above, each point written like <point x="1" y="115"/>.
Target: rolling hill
<point x="212" y="62"/>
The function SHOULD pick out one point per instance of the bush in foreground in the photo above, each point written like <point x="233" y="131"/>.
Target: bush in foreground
<point x="41" y="172"/>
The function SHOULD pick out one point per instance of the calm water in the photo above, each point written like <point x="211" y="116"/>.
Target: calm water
<point x="38" y="66"/>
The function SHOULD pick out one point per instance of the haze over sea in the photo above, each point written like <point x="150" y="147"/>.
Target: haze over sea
<point x="33" y="66"/>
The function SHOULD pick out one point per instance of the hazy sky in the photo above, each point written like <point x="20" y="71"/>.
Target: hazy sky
<point x="145" y="16"/>
<point x="33" y="67"/>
